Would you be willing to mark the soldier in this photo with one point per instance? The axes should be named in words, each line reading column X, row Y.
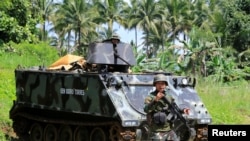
column 115, row 39
column 159, row 122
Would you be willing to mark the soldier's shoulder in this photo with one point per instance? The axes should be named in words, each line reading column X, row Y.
column 150, row 96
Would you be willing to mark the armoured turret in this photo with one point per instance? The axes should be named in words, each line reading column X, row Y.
column 111, row 57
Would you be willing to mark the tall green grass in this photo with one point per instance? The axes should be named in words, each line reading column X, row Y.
column 6, row 96
column 227, row 103
column 26, row 55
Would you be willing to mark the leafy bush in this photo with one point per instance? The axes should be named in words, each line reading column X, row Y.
column 11, row 31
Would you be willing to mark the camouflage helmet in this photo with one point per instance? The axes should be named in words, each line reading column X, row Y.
column 160, row 77
column 115, row 36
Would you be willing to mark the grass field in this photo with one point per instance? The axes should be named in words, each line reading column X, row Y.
column 227, row 103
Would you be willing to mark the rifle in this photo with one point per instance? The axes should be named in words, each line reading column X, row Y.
column 175, row 113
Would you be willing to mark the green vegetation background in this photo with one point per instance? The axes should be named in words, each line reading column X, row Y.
column 227, row 103
column 11, row 57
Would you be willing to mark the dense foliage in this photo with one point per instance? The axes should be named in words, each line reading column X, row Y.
column 16, row 24
column 211, row 31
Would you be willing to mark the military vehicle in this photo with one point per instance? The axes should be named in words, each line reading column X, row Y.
column 97, row 98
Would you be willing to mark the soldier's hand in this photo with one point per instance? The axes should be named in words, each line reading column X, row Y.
column 186, row 111
column 159, row 96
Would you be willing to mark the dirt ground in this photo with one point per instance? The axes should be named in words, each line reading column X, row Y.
column 9, row 133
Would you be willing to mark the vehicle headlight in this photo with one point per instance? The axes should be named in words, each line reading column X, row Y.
column 130, row 123
column 204, row 120
column 184, row 81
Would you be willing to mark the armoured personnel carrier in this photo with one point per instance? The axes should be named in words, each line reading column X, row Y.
column 97, row 99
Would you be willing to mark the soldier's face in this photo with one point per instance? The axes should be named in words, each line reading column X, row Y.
column 160, row 86
column 115, row 41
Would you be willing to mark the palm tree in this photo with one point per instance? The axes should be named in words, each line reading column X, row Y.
column 109, row 12
column 76, row 17
column 179, row 16
column 130, row 11
column 146, row 18
column 105, row 33
column 200, row 12
column 42, row 9
column 163, row 28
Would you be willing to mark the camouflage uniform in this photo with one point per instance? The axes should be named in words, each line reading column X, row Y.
column 160, row 131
